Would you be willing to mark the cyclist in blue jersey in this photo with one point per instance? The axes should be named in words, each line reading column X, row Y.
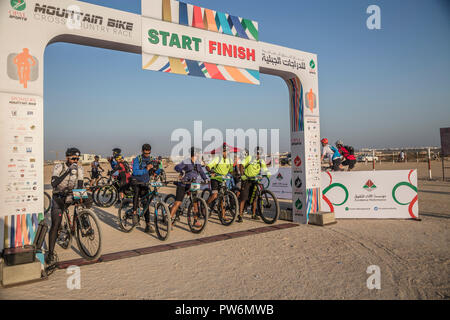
column 332, row 154
column 142, row 165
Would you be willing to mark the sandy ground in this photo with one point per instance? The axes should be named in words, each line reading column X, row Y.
column 306, row 262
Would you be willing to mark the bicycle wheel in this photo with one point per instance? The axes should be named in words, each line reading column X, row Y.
column 206, row 193
column 89, row 236
column 230, row 208
column 125, row 214
column 268, row 207
column 162, row 221
column 107, row 196
column 197, row 220
column 47, row 203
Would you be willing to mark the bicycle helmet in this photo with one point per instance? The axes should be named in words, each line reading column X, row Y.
column 324, row 141
column 116, row 151
column 339, row 143
column 73, row 152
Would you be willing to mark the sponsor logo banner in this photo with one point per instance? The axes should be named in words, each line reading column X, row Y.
column 371, row 194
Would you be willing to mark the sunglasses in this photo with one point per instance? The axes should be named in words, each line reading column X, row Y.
column 74, row 159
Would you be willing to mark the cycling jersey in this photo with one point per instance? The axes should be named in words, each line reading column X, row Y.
column 330, row 152
column 253, row 167
column 70, row 182
column 221, row 166
column 140, row 171
column 192, row 171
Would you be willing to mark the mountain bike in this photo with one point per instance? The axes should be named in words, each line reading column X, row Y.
column 226, row 205
column 153, row 199
column 81, row 224
column 267, row 206
column 193, row 206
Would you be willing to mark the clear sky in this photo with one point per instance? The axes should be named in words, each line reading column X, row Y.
column 378, row 88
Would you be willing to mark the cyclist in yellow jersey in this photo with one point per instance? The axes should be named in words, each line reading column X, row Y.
column 218, row 167
column 250, row 168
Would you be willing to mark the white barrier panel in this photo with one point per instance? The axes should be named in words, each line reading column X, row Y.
column 281, row 184
column 371, row 194
column 360, row 194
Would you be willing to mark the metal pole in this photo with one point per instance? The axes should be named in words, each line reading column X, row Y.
column 393, row 157
column 443, row 167
column 429, row 163
column 417, row 156
column 373, row 159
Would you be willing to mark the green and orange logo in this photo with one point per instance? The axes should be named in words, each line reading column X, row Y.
column 370, row 186
column 279, row 176
column 18, row 5
column 312, row 64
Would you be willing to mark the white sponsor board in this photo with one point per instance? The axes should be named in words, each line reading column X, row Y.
column 364, row 194
column 280, row 183
column 371, row 194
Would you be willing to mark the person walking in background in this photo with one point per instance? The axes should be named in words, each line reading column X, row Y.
column 348, row 153
column 95, row 171
column 332, row 153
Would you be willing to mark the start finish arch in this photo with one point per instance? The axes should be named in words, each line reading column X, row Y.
column 172, row 37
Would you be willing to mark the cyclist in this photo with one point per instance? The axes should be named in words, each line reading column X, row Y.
column 350, row 159
column 65, row 177
column 250, row 168
column 95, row 170
column 124, row 175
column 190, row 170
column 142, row 165
column 113, row 162
column 236, row 176
column 218, row 167
column 332, row 153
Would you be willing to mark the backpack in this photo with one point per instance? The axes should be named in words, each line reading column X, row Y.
column 350, row 150
column 127, row 166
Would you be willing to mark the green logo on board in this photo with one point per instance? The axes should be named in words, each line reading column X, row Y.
column 299, row 204
column 312, row 64
column 18, row 5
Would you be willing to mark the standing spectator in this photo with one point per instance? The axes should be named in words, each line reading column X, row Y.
column 348, row 154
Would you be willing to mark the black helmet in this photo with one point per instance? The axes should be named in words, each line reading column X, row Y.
column 116, row 151
column 73, row 152
column 146, row 147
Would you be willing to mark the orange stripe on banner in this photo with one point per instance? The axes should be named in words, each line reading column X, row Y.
column 210, row 20
column 25, row 230
column 167, row 11
column 176, row 66
column 18, row 239
column 214, row 72
column 237, row 75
